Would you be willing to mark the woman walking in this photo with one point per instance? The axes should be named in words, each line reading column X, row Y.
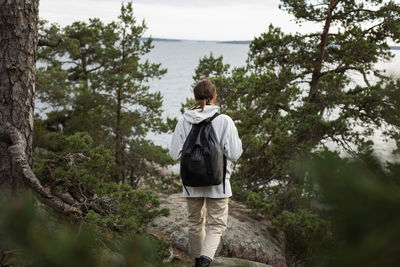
column 207, row 205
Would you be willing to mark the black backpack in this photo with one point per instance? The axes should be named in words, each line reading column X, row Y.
column 203, row 162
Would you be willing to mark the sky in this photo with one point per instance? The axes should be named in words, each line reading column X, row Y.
column 219, row 20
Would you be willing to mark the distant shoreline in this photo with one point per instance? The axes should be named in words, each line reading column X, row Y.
column 219, row 42
column 196, row 41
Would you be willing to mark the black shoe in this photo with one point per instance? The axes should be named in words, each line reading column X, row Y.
column 203, row 261
column 196, row 262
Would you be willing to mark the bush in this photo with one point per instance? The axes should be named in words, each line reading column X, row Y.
column 363, row 197
column 35, row 238
column 74, row 166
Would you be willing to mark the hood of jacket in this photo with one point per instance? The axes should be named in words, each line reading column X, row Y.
column 195, row 116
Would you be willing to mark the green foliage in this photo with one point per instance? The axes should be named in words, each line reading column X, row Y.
column 75, row 166
column 71, row 158
column 37, row 241
column 41, row 242
column 143, row 152
column 306, row 233
column 363, row 203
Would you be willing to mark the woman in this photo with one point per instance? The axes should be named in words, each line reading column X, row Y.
column 208, row 205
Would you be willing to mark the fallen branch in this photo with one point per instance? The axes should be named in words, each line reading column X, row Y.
column 60, row 202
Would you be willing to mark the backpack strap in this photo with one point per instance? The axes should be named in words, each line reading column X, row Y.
column 187, row 191
column 214, row 116
column 223, row 179
column 210, row 118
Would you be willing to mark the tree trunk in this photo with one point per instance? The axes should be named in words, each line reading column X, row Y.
column 18, row 43
column 119, row 149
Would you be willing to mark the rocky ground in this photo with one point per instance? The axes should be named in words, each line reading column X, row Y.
column 246, row 237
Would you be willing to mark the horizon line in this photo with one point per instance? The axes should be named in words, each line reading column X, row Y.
column 392, row 47
column 194, row 40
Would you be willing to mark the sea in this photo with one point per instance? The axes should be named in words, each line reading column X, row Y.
column 181, row 57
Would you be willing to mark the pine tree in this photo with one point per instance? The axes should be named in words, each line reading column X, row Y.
column 103, row 76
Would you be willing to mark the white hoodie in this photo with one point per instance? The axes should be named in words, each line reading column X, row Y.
column 227, row 136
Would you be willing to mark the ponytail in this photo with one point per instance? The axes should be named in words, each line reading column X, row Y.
column 204, row 92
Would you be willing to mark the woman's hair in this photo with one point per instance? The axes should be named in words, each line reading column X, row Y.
column 204, row 92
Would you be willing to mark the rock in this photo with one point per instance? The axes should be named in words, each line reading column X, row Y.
column 234, row 262
column 245, row 237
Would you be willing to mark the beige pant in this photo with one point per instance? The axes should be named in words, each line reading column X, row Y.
column 207, row 219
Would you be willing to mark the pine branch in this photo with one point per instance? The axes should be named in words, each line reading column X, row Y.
column 61, row 203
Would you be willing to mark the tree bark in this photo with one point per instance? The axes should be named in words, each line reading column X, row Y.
column 316, row 75
column 119, row 149
column 18, row 43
